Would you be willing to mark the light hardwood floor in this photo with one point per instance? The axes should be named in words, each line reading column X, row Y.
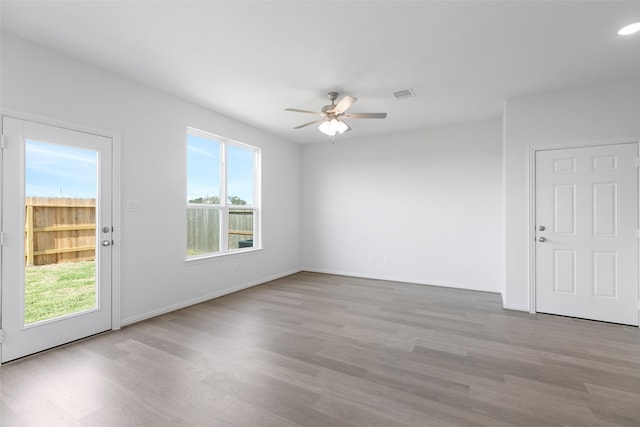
column 322, row 350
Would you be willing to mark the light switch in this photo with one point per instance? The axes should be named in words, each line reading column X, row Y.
column 133, row 205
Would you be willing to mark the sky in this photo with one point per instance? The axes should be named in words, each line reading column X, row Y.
column 59, row 171
column 203, row 169
column 62, row 171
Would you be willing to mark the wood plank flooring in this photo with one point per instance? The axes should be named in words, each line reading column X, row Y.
column 321, row 350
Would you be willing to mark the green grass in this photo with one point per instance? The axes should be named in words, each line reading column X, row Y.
column 59, row 289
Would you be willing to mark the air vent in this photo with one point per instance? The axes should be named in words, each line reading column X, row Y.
column 403, row 94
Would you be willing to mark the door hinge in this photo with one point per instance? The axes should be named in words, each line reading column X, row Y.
column 2, row 142
column 1, row 238
column 0, row 336
column 638, row 162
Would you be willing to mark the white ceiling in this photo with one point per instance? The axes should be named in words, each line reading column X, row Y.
column 250, row 60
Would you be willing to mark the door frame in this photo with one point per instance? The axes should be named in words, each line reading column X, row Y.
column 116, row 248
column 533, row 150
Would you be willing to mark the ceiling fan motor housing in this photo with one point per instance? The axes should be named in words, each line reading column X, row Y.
column 327, row 108
column 332, row 97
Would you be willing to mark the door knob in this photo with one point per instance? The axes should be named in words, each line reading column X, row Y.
column 541, row 239
column 542, row 228
column 106, row 243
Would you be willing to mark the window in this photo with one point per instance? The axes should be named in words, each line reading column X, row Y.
column 223, row 196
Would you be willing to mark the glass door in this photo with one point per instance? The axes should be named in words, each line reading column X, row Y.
column 56, row 264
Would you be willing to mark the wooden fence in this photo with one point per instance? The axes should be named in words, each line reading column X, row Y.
column 199, row 220
column 59, row 230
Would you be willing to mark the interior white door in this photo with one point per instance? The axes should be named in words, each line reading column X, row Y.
column 56, row 264
column 587, row 232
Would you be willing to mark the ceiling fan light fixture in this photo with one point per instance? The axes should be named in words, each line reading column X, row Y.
column 333, row 126
column 325, row 127
column 630, row 29
column 341, row 126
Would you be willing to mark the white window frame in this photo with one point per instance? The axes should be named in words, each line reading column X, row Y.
column 224, row 206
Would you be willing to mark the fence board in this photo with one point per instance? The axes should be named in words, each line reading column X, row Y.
column 203, row 229
column 59, row 230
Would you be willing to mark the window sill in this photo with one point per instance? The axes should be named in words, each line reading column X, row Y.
column 201, row 259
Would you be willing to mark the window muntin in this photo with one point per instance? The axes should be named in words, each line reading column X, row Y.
column 222, row 195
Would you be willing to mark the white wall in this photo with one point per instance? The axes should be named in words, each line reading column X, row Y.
column 430, row 201
column 590, row 115
column 152, row 124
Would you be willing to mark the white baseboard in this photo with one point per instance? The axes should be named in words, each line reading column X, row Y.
column 517, row 307
column 398, row 279
column 207, row 297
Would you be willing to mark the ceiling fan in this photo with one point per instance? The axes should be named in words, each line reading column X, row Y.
column 332, row 115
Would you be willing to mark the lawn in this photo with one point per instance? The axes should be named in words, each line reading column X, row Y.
column 59, row 289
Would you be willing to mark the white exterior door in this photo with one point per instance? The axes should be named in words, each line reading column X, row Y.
column 587, row 232
column 56, row 223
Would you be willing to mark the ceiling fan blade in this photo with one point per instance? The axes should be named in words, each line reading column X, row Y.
column 365, row 115
column 308, row 124
column 304, row 111
column 344, row 104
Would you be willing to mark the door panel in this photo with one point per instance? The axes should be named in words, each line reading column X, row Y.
column 586, row 238
column 56, row 274
column 605, row 202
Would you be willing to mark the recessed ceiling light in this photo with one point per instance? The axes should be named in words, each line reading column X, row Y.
column 630, row 29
